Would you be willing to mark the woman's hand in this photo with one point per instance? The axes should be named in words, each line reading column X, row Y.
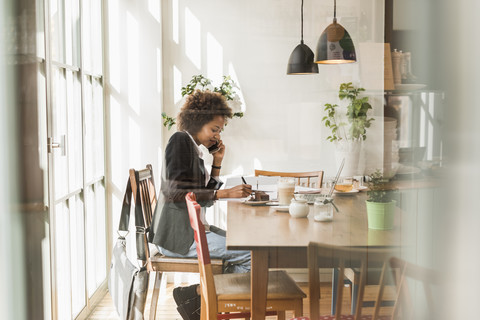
column 218, row 155
column 240, row 191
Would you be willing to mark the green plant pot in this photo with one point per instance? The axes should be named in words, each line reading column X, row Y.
column 380, row 215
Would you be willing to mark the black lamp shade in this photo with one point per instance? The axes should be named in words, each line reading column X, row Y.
column 301, row 61
column 335, row 46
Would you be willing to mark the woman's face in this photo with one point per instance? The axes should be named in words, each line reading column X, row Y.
column 210, row 132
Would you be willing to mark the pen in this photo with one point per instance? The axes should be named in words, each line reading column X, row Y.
column 243, row 179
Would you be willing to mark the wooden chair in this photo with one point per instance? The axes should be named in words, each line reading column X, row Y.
column 427, row 277
column 322, row 255
column 156, row 262
column 310, row 177
column 227, row 296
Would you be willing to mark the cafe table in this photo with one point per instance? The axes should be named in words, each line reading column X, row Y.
column 277, row 240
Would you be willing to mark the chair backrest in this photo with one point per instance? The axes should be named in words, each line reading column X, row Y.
column 322, row 255
column 143, row 181
column 207, row 283
column 427, row 277
column 311, row 177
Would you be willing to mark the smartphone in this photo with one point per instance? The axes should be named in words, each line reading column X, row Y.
column 213, row 148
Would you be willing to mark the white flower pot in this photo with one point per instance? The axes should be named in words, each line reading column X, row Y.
column 352, row 151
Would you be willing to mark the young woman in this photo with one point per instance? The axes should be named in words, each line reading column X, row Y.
column 200, row 122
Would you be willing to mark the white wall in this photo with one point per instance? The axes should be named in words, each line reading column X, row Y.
column 133, row 85
column 252, row 42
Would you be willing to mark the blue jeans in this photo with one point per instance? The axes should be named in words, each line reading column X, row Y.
column 235, row 261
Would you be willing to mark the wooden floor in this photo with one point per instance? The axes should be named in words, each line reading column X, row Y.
column 166, row 309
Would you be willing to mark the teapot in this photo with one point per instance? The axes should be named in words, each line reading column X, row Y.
column 298, row 208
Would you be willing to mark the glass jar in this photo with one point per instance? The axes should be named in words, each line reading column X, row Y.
column 323, row 210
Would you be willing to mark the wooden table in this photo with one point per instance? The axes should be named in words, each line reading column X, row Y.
column 277, row 240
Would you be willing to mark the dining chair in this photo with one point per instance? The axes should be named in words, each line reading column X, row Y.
column 322, row 255
column 227, row 296
column 313, row 178
column 428, row 278
column 157, row 262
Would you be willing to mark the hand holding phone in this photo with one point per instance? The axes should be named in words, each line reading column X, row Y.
column 214, row 148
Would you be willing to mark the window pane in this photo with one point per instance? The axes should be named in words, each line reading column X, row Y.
column 96, row 238
column 87, row 36
column 100, row 238
column 89, row 130
column 69, row 40
column 59, row 129
column 94, row 129
column 98, row 113
column 77, row 245
column 74, row 135
column 62, row 251
column 92, row 36
column 57, row 32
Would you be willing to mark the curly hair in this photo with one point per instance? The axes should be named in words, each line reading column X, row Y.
column 200, row 108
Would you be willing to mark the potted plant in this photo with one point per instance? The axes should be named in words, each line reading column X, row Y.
column 226, row 89
column 380, row 202
column 348, row 129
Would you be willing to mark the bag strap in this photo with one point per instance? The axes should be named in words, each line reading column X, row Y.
column 139, row 222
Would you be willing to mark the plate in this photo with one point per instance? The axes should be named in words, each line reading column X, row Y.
column 255, row 203
column 361, row 188
column 409, row 86
column 347, row 193
column 282, row 208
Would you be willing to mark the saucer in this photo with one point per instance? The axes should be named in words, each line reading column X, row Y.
column 282, row 208
column 346, row 193
column 255, row 203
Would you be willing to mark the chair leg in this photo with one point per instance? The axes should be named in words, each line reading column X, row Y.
column 203, row 310
column 354, row 298
column 334, row 289
column 299, row 309
column 155, row 294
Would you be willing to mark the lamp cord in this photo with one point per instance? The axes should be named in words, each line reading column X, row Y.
column 302, row 23
column 335, row 10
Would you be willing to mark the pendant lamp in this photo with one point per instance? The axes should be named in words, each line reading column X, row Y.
column 335, row 45
column 301, row 59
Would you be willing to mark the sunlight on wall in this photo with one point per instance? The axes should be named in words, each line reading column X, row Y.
column 154, row 9
column 238, row 171
column 233, row 75
column 257, row 164
column 193, row 38
column 134, row 141
column 214, row 59
column 159, row 70
column 117, row 135
column 114, row 45
column 175, row 22
column 133, row 60
column 177, row 85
